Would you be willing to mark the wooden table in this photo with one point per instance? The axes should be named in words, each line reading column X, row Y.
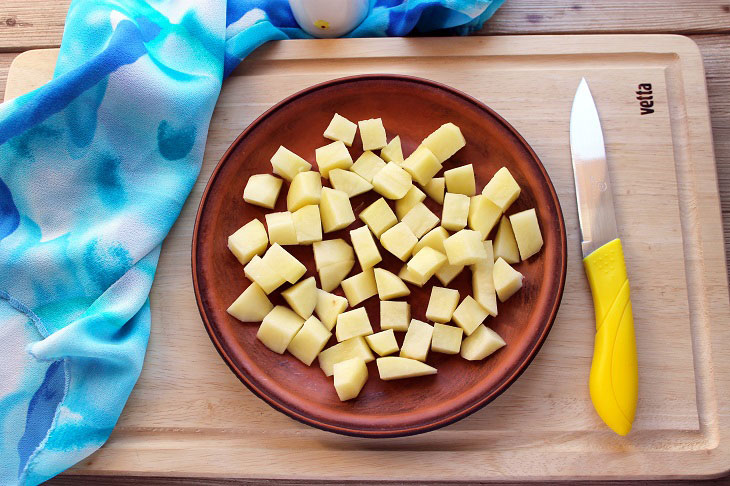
column 32, row 24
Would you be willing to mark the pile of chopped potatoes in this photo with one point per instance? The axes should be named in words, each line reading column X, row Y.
column 399, row 223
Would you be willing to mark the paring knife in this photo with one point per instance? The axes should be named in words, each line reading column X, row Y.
column 614, row 380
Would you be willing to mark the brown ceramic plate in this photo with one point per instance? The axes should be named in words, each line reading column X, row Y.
column 412, row 108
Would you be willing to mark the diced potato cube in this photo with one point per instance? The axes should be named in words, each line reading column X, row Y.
column 422, row 165
column 417, row 341
column 446, row 339
column 252, row 305
column 372, row 134
column 352, row 324
column 426, row 262
column 502, row 189
column 349, row 182
column 350, row 376
column 266, row 277
column 379, row 217
column 249, row 240
column 281, row 228
column 390, row 286
column 278, row 328
column 445, row 141
column 420, row 219
column 483, row 215
column 399, row 240
column 442, row 304
column 505, row 244
column 409, row 276
column 406, row 203
column 330, row 276
column 434, row 238
column 342, row 129
column 507, row 280
column 335, row 210
column 482, row 282
column 383, row 342
column 287, row 164
column 527, row 232
column 284, row 262
column 302, row 297
column 360, row 287
column 460, row 180
column 464, row 247
column 395, row 315
column 332, row 156
column 435, row 188
column 395, row 368
column 365, row 248
column 307, row 224
column 262, row 190
column 328, row 252
column 352, row 348
column 469, row 315
column 305, row 189
column 328, row 307
column 393, row 151
column 309, row 341
column 482, row 342
column 456, row 211
column 367, row 165
column 392, row 181
column 448, row 272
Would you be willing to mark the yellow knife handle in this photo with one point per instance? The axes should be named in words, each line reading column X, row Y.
column 614, row 379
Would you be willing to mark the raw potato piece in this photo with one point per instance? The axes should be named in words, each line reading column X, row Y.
column 406, row 203
column 352, row 348
column 434, row 238
column 442, row 304
column 330, row 276
column 399, row 240
column 456, row 211
column 383, row 342
column 417, row 341
column 307, row 224
column 446, row 339
column 349, row 182
column 360, row 287
column 502, row 189
column 465, row 248
column 350, row 377
column 342, row 129
column 283, row 262
column 483, row 215
column 482, row 282
column 393, row 152
column 309, row 341
column 249, row 240
column 266, row 277
column 367, row 165
column 328, row 252
column 422, row 165
column 394, row 368
column 252, row 305
column 447, row 273
column 435, row 189
column 379, row 217
column 287, row 164
column 505, row 244
column 420, row 219
column 482, row 342
column 394, row 315
column 332, row 156
column 281, row 228
column 507, row 280
column 445, row 141
column 390, row 286
column 335, row 210
column 352, row 324
column 469, row 315
column 426, row 263
column 302, row 297
column 372, row 134
column 278, row 328
column 461, row 180
column 328, row 307
column 367, row 252
column 409, row 276
column 392, row 181
column 527, row 232
column 262, row 190
column 305, row 189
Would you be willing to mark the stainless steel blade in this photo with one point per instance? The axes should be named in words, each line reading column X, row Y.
column 592, row 183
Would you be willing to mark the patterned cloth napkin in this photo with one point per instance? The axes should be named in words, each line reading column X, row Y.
column 94, row 168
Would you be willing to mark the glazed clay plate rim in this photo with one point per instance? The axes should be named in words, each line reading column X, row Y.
column 468, row 408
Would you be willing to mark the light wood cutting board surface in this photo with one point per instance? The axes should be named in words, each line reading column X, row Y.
column 189, row 415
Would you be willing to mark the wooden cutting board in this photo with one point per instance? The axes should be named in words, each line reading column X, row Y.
column 189, row 415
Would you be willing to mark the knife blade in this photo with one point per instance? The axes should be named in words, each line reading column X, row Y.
column 613, row 381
